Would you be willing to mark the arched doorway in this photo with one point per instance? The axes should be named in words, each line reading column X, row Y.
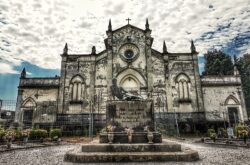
column 28, row 108
column 233, row 110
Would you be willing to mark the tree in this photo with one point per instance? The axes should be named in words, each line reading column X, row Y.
column 218, row 63
column 243, row 65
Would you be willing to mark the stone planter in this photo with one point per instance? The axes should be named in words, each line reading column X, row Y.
column 25, row 140
column 110, row 137
column 150, row 137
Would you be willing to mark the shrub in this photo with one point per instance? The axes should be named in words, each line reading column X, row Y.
column 2, row 133
column 241, row 130
column 38, row 133
column 25, row 132
column 10, row 134
column 210, row 132
column 55, row 132
column 223, row 132
column 18, row 132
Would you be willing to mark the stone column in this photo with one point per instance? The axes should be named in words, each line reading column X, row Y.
column 198, row 90
column 148, row 55
column 109, row 48
column 62, row 85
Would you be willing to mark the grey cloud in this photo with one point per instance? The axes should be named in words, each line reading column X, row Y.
column 23, row 20
column 4, row 7
column 30, row 37
column 85, row 24
column 44, row 27
column 49, row 30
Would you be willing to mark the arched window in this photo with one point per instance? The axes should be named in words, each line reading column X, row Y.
column 183, row 86
column 76, row 88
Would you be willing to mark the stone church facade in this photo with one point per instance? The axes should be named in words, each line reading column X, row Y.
column 171, row 80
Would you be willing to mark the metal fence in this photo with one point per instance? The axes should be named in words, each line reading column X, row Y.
column 7, row 112
column 8, row 105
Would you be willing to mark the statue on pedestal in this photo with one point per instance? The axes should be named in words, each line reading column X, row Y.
column 122, row 94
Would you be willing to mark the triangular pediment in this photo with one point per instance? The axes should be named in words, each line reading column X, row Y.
column 129, row 28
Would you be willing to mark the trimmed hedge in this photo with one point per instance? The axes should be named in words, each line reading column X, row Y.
column 38, row 133
column 55, row 132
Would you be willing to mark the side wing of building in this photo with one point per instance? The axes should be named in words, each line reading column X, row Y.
column 37, row 101
column 223, row 99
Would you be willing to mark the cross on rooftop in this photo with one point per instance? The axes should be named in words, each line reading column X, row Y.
column 128, row 19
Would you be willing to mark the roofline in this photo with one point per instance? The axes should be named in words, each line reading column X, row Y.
column 219, row 76
column 39, row 86
column 157, row 51
column 179, row 54
column 101, row 52
column 41, row 78
column 130, row 26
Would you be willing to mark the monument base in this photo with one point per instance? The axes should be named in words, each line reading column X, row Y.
column 96, row 153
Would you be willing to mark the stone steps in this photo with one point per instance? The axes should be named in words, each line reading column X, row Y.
column 140, row 147
column 97, row 157
column 96, row 153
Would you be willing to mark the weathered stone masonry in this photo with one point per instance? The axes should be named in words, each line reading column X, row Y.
column 172, row 80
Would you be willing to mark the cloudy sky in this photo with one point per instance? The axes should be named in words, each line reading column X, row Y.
column 33, row 32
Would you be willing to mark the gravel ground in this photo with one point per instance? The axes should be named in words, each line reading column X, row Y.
column 54, row 155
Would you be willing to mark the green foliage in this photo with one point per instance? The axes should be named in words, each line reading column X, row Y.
column 55, row 132
column 38, row 133
column 25, row 132
column 241, row 130
column 10, row 133
column 211, row 132
column 2, row 133
column 218, row 63
column 243, row 65
column 18, row 132
column 223, row 132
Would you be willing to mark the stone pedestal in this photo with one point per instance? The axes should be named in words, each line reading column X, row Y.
column 130, row 137
column 130, row 114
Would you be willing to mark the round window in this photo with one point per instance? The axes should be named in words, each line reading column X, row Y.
column 129, row 54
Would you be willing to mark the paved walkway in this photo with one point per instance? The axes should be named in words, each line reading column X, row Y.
column 54, row 155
